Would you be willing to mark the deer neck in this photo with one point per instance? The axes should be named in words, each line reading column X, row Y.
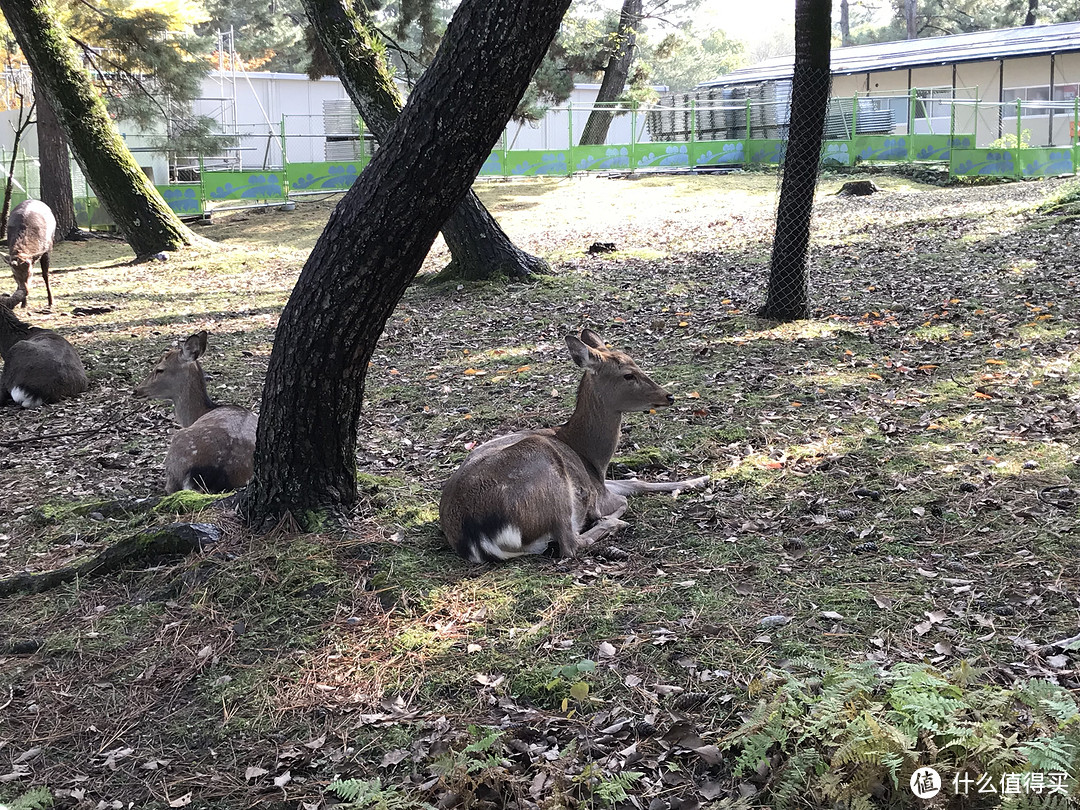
column 193, row 402
column 593, row 430
column 12, row 330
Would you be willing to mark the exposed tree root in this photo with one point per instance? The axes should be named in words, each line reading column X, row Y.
column 176, row 538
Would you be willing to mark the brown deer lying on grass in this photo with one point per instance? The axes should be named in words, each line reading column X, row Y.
column 516, row 494
column 31, row 228
column 39, row 366
column 214, row 451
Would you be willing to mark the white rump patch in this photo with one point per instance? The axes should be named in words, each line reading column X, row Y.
column 506, row 544
column 25, row 399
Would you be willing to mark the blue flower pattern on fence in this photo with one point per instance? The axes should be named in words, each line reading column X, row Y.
column 614, row 158
column 550, row 163
column 994, row 163
column 259, row 187
column 1058, row 161
column 338, row 175
column 942, row 151
column 836, row 153
column 890, row 149
column 729, row 153
column 493, row 165
column 673, row 156
column 769, row 154
column 182, row 200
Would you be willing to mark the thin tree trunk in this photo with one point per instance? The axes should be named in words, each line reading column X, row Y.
column 373, row 245
column 910, row 16
column 615, row 74
column 845, row 24
column 1032, row 12
column 479, row 248
column 55, row 167
column 788, row 296
column 146, row 222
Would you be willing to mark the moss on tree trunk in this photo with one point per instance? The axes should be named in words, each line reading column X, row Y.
column 148, row 224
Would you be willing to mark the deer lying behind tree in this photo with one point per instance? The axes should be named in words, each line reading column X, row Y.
column 516, row 494
column 39, row 366
column 214, row 450
column 31, row 228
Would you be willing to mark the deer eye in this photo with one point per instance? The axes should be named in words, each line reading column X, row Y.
column 629, row 376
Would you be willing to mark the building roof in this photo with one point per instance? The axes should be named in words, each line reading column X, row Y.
column 1033, row 40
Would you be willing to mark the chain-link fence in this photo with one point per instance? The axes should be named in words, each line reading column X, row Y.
column 787, row 296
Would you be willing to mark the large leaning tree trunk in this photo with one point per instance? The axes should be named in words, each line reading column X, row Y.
column 616, row 72
column 146, row 222
column 479, row 248
column 788, row 297
column 55, row 167
column 373, row 245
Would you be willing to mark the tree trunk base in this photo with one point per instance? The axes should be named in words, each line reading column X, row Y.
column 174, row 539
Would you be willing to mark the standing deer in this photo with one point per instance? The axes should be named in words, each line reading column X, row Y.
column 516, row 494
column 214, row 451
column 30, row 231
column 39, row 366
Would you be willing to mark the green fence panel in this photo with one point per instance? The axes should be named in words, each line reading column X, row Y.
column 939, row 147
column 875, row 148
column 718, row 153
column 982, row 162
column 1048, row 162
column 90, row 213
column 325, row 176
column 183, row 198
column 660, row 155
column 493, row 166
column 265, row 185
column 534, row 162
column 600, row 158
column 836, row 153
column 766, row 151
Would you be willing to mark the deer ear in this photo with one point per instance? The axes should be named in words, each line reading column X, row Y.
column 583, row 356
column 194, row 346
column 590, row 338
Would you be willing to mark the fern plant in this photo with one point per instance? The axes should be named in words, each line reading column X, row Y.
column 369, row 794
column 854, row 735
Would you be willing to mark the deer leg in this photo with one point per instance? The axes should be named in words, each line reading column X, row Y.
column 635, row 487
column 608, row 524
column 44, row 262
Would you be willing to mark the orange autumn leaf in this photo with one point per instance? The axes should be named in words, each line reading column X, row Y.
column 693, row 395
column 981, row 395
column 994, row 362
column 873, row 376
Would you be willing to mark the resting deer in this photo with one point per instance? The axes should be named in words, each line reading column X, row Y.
column 214, row 450
column 30, row 232
column 516, row 494
column 39, row 366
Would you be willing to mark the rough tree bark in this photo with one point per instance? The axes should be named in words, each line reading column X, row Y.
column 55, row 168
column 910, row 17
column 788, row 298
column 479, row 248
column 373, row 245
column 845, row 24
column 146, row 222
column 615, row 73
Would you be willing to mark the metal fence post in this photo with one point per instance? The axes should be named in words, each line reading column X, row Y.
column 1019, row 134
column 854, row 115
column 911, row 121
